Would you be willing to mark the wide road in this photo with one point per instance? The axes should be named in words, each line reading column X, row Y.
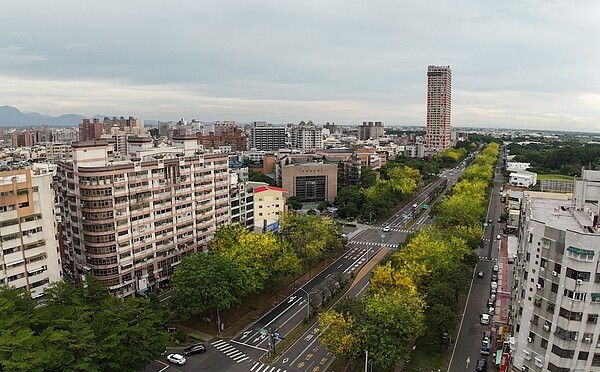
column 468, row 343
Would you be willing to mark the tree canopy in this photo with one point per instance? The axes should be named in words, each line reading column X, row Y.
column 78, row 328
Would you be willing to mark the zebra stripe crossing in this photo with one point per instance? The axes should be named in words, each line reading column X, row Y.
column 258, row 367
column 233, row 353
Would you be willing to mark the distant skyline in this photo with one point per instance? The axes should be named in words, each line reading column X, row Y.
column 515, row 64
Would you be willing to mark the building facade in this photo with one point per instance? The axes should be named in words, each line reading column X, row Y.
column 130, row 222
column 267, row 137
column 439, row 100
column 310, row 182
column 556, row 301
column 269, row 204
column 29, row 256
column 370, row 130
column 306, row 136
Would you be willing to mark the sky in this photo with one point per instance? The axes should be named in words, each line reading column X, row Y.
column 515, row 64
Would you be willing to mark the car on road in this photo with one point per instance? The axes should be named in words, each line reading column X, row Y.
column 176, row 359
column 495, row 269
column 484, row 319
column 194, row 349
column 386, row 229
column 494, row 277
column 481, row 365
column 490, row 303
column 480, row 274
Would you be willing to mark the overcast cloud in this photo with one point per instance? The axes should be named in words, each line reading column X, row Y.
column 515, row 64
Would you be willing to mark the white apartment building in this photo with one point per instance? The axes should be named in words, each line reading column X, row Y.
column 241, row 197
column 306, row 136
column 556, row 296
column 29, row 256
column 130, row 222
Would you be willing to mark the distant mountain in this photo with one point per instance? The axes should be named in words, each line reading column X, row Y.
column 12, row 117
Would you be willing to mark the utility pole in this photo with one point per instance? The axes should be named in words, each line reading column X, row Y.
column 366, row 359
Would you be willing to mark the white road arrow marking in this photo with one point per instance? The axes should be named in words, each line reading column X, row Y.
column 245, row 334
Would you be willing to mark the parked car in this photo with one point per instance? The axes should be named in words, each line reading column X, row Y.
column 194, row 349
column 176, row 359
column 494, row 285
column 485, row 347
column 496, row 268
column 498, row 237
column 487, row 335
column 484, row 319
column 491, row 310
column 481, row 365
column 490, row 303
column 494, row 277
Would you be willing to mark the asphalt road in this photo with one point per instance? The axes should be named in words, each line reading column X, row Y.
column 468, row 343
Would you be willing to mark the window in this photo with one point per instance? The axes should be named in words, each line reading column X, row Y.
column 592, row 318
column 596, row 360
column 554, row 288
column 576, row 296
column 557, row 268
column 550, row 307
column 583, row 355
column 544, row 343
column 571, row 315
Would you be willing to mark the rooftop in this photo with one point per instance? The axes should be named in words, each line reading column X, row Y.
column 555, row 211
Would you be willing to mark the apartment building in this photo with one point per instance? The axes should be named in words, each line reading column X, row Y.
column 29, row 256
column 267, row 137
column 241, row 197
column 370, row 130
column 306, row 136
column 269, row 204
column 130, row 222
column 439, row 105
column 556, row 296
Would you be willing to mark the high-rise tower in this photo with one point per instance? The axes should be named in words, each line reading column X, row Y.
column 439, row 92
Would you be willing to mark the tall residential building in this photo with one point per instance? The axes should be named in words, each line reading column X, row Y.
column 90, row 130
column 267, row 137
column 130, row 222
column 439, row 94
column 370, row 130
column 306, row 136
column 556, row 296
column 29, row 256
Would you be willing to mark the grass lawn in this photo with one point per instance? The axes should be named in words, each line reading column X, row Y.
column 554, row 177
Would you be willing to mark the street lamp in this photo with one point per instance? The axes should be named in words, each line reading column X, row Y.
column 307, row 301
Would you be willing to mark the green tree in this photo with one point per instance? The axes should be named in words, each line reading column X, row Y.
column 367, row 177
column 79, row 328
column 294, row 203
column 206, row 280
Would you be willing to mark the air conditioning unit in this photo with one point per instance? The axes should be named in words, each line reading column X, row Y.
column 542, row 268
column 587, row 340
column 539, row 362
column 554, row 273
column 529, row 340
column 546, row 327
column 579, row 282
column 527, row 354
column 538, row 286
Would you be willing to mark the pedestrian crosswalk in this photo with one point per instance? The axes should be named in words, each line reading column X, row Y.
column 259, row 367
column 396, row 229
column 375, row 243
column 230, row 351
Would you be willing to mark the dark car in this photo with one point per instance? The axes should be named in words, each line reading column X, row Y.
column 194, row 349
column 490, row 303
column 481, row 365
column 494, row 277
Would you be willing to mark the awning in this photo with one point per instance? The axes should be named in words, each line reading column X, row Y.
column 498, row 357
column 583, row 252
column 595, row 297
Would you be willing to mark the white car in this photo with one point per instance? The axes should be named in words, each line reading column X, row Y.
column 386, row 229
column 176, row 359
column 484, row 319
